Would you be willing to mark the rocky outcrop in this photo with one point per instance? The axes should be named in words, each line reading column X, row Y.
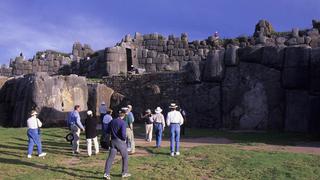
column 98, row 93
column 51, row 96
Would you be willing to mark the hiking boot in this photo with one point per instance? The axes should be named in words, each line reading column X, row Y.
column 42, row 154
column 177, row 153
column 107, row 176
column 29, row 156
column 126, row 175
column 172, row 154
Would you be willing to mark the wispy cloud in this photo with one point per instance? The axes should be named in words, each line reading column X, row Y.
column 19, row 35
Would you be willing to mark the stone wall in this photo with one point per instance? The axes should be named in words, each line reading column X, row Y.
column 258, row 87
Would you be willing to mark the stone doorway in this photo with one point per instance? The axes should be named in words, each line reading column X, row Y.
column 129, row 59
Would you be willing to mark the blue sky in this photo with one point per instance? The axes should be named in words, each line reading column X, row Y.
column 31, row 25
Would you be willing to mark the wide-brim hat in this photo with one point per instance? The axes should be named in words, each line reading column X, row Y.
column 148, row 111
column 129, row 106
column 33, row 112
column 158, row 110
column 103, row 103
column 173, row 105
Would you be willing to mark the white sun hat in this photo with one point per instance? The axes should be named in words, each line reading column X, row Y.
column 158, row 110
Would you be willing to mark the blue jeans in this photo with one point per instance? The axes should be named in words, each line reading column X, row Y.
column 34, row 138
column 104, row 128
column 175, row 137
column 158, row 130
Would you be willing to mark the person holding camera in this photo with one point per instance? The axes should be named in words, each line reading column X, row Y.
column 147, row 118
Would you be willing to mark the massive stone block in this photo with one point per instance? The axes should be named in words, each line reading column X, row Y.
column 52, row 97
column 213, row 70
column 297, row 111
column 193, row 74
column 2, row 80
column 252, row 97
column 314, row 120
column 296, row 65
column 250, row 54
column 273, row 57
column 98, row 93
column 315, row 71
column 231, row 58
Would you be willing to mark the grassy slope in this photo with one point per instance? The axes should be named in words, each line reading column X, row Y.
column 209, row 162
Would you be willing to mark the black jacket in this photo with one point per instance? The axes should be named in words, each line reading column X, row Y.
column 91, row 128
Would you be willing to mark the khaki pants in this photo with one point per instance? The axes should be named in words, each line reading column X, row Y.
column 149, row 128
column 76, row 138
column 130, row 140
column 89, row 146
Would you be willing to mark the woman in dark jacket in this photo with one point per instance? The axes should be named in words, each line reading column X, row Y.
column 91, row 133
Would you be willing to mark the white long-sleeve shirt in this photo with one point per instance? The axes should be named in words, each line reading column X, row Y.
column 33, row 122
column 159, row 118
column 174, row 117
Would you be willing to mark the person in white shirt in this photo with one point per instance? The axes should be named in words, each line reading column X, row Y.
column 33, row 133
column 174, row 121
column 159, row 124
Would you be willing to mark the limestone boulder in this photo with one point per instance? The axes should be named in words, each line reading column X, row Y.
column 98, row 93
column 315, row 71
column 296, row 66
column 297, row 111
column 231, row 58
column 252, row 97
column 193, row 73
column 251, row 54
column 214, row 66
column 52, row 96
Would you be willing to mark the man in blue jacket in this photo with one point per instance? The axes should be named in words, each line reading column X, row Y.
column 74, row 123
column 117, row 129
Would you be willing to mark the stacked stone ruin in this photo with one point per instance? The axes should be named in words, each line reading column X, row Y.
column 270, row 81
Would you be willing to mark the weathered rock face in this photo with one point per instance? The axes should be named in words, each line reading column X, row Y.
column 52, row 97
column 296, row 67
column 201, row 101
column 2, row 80
column 252, row 97
column 98, row 93
column 213, row 70
column 315, row 71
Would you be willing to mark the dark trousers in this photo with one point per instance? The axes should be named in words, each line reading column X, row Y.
column 117, row 145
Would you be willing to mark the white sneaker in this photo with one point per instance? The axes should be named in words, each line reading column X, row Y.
column 107, row 176
column 177, row 153
column 126, row 175
column 42, row 154
column 29, row 156
column 172, row 154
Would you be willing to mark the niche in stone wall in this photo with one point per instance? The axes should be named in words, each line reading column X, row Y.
column 129, row 59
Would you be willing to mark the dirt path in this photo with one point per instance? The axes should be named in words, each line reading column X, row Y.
column 305, row 148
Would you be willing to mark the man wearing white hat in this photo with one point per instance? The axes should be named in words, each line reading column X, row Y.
column 34, row 124
column 159, row 125
column 174, row 120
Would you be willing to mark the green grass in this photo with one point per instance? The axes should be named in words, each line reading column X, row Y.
column 206, row 162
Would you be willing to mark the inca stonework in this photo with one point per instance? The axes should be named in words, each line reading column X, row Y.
column 270, row 81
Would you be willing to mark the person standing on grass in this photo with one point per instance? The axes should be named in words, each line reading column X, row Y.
column 91, row 133
column 183, row 127
column 129, row 123
column 102, row 111
column 148, row 120
column 159, row 124
column 33, row 133
column 105, row 139
column 75, row 126
column 117, row 130
column 174, row 120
